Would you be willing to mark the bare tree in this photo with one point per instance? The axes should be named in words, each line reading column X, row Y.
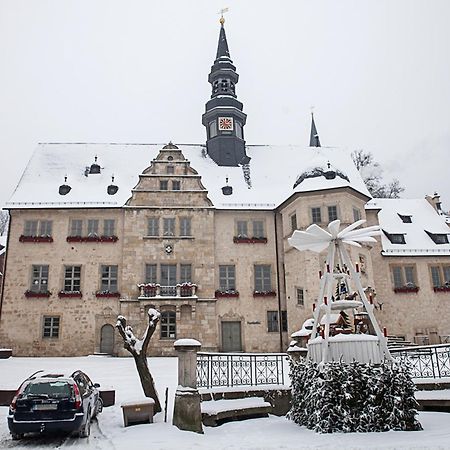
column 372, row 175
column 138, row 348
column 4, row 220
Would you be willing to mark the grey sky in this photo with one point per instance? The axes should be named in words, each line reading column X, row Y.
column 378, row 74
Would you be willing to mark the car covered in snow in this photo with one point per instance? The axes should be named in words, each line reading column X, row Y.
column 54, row 402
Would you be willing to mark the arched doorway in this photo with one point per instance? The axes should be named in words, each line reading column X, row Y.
column 107, row 339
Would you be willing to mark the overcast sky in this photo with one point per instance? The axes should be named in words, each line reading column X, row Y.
column 377, row 73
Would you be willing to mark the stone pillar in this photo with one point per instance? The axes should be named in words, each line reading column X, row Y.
column 187, row 413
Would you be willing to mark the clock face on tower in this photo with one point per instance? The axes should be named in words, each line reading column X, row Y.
column 225, row 123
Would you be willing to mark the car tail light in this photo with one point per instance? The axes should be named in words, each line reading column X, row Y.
column 18, row 393
column 77, row 396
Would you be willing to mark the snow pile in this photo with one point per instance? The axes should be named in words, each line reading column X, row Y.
column 339, row 397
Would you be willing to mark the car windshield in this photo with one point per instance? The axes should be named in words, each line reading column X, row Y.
column 48, row 389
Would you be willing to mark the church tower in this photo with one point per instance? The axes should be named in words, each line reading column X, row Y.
column 223, row 118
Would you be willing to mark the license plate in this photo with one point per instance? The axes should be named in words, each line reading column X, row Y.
column 45, row 407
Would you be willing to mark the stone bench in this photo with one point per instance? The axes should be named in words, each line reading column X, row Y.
column 216, row 412
column 138, row 411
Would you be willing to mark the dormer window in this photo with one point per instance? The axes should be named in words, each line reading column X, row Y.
column 95, row 168
column 438, row 238
column 395, row 238
column 405, row 219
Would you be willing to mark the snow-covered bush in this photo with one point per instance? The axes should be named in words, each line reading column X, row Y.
column 352, row 397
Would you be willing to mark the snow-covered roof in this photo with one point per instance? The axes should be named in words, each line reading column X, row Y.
column 424, row 218
column 274, row 170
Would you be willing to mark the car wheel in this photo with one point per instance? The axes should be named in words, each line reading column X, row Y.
column 86, row 430
column 98, row 407
column 16, row 436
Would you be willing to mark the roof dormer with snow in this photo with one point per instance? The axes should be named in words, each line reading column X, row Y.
column 411, row 227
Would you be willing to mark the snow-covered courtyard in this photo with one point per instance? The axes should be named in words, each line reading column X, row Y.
column 266, row 433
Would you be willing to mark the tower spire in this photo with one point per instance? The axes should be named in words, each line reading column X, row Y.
column 314, row 138
column 223, row 118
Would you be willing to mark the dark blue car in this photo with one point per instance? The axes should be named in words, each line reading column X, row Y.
column 54, row 402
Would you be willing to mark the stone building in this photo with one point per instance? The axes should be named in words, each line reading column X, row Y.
column 197, row 231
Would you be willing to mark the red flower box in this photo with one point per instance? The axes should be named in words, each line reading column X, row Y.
column 246, row 240
column 107, row 294
column 405, row 290
column 264, row 294
column 441, row 289
column 31, row 294
column 226, row 294
column 70, row 294
column 92, row 239
column 24, row 238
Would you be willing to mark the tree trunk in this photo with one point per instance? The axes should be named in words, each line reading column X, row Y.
column 147, row 382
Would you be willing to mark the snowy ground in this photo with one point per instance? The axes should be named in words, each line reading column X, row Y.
column 268, row 433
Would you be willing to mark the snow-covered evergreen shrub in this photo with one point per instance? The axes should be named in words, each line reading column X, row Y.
column 352, row 397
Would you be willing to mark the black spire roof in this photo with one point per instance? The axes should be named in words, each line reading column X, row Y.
column 314, row 138
column 223, row 118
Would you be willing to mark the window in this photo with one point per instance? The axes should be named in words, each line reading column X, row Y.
column 227, row 278
column 39, row 279
column 300, row 297
column 262, row 278
column 150, row 273
column 438, row 238
column 398, row 238
column 76, row 227
column 38, row 228
column 185, row 226
column 332, row 213
column 170, row 170
column 242, row 230
column 50, row 327
column 440, row 276
column 356, row 214
column 153, row 226
column 405, row 219
column 31, row 227
column 316, row 215
column 168, row 325
column 109, row 278
column 404, row 276
column 92, row 227
column 238, row 127
column 108, row 227
column 168, row 275
column 185, row 273
column 45, row 228
column 258, row 229
column 272, row 322
column 176, row 185
column 163, row 185
column 169, row 226
column 294, row 222
column 212, row 129
column 72, row 278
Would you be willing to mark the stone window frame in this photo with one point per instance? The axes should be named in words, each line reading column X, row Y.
column 241, row 228
column 185, row 224
column 109, row 276
column 163, row 185
column 39, row 277
column 442, row 272
column 168, row 324
column 273, row 323
column 176, row 185
column 153, row 226
column 356, row 214
column 333, row 213
column 169, row 226
column 403, row 274
column 92, row 227
column 51, row 327
column 72, row 280
column 262, row 277
column 227, row 277
column 109, row 227
column 259, row 228
column 300, row 296
column 316, row 214
column 293, row 221
column 38, row 228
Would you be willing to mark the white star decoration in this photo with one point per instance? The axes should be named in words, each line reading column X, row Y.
column 316, row 239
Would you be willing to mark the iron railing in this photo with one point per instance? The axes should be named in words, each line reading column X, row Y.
column 427, row 361
column 240, row 369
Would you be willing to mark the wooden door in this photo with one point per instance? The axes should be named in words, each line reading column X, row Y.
column 231, row 337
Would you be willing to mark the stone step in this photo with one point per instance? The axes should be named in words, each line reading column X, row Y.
column 217, row 412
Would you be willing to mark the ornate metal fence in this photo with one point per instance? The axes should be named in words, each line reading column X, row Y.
column 240, row 369
column 427, row 361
